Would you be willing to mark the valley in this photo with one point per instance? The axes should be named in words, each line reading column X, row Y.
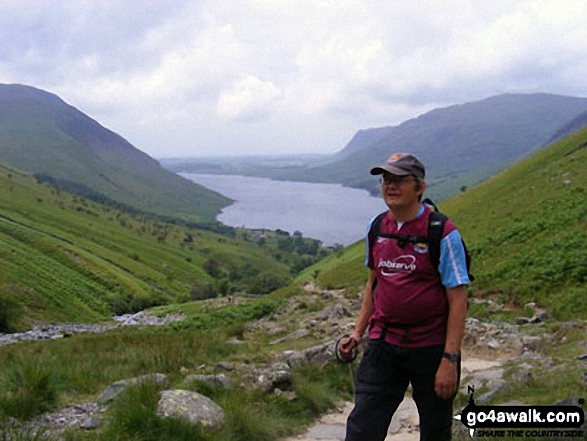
column 247, row 319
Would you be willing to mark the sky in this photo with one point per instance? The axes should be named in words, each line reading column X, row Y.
column 242, row 77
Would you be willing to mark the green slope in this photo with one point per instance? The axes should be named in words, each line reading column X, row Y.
column 526, row 229
column 41, row 134
column 65, row 258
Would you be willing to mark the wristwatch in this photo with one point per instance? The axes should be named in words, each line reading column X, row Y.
column 452, row 356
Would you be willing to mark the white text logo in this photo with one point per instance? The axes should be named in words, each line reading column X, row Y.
column 401, row 264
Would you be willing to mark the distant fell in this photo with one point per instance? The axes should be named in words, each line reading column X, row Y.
column 42, row 135
column 461, row 145
column 462, row 139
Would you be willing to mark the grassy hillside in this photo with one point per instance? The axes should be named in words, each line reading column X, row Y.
column 41, row 134
column 526, row 229
column 65, row 258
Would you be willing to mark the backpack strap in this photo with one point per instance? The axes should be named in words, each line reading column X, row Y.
column 429, row 202
column 372, row 236
column 436, row 224
column 435, row 230
column 375, row 228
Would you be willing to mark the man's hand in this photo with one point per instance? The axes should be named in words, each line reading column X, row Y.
column 346, row 346
column 446, row 382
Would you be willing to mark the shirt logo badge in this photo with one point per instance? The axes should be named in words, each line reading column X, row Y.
column 421, row 247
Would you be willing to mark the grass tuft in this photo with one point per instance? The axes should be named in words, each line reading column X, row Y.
column 30, row 389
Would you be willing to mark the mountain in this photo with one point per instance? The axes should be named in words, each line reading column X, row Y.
column 462, row 139
column 525, row 229
column 41, row 134
column 461, row 145
column 576, row 124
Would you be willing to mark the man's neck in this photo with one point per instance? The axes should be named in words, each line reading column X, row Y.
column 405, row 214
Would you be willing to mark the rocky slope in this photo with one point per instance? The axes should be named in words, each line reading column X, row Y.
column 496, row 357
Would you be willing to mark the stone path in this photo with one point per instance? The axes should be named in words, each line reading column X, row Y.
column 404, row 425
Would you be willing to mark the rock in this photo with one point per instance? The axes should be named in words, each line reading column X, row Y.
column 82, row 415
column 296, row 335
column 91, row 423
column 320, row 354
column 497, row 387
column 289, row 395
column 491, row 379
column 541, row 317
column 54, row 332
column 530, row 343
column 143, row 318
column 334, row 312
column 522, row 376
column 275, row 376
column 278, row 376
column 213, row 381
column 115, row 389
column 234, row 341
column 224, row 366
column 276, row 330
column 493, row 344
column 195, row 408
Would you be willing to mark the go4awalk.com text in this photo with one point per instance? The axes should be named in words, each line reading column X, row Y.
column 548, row 422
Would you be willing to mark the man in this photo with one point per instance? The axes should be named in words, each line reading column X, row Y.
column 415, row 313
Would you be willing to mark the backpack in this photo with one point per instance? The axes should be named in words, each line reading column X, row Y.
column 435, row 230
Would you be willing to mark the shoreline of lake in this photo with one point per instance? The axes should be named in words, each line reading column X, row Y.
column 331, row 213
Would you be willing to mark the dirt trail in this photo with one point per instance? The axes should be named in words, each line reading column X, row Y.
column 486, row 347
column 404, row 425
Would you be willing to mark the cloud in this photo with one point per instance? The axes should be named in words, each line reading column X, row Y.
column 248, row 99
column 178, row 77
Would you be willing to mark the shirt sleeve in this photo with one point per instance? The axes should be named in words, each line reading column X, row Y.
column 453, row 264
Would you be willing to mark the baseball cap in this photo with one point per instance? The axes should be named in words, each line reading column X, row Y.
column 401, row 164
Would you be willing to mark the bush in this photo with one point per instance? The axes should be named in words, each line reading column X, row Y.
column 203, row 291
column 31, row 389
column 10, row 314
column 265, row 283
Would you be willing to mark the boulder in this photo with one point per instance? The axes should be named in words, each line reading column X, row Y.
column 318, row 355
column 293, row 336
column 334, row 312
column 213, row 381
column 195, row 408
column 271, row 378
column 115, row 389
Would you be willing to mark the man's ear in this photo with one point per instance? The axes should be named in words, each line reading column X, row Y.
column 422, row 187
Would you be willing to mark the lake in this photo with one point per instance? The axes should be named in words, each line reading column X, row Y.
column 328, row 212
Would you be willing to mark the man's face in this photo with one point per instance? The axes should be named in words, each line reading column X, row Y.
column 400, row 191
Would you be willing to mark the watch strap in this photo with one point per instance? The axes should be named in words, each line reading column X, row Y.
column 452, row 356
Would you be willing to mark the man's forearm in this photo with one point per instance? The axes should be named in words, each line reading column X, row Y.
column 367, row 308
column 457, row 314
